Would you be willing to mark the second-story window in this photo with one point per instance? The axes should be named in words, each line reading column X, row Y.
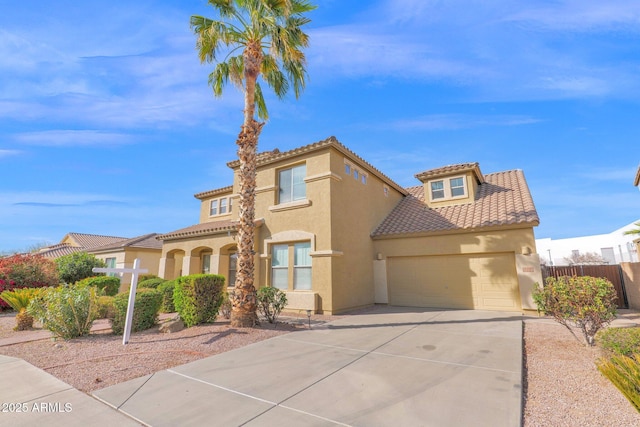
column 457, row 187
column 437, row 190
column 220, row 206
column 292, row 185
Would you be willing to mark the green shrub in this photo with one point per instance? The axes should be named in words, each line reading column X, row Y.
column 271, row 301
column 110, row 285
column 151, row 283
column 26, row 271
column 145, row 310
column 166, row 289
column 624, row 373
column 620, row 341
column 146, row 276
column 77, row 266
column 587, row 303
column 106, row 307
column 197, row 298
column 68, row 311
column 225, row 307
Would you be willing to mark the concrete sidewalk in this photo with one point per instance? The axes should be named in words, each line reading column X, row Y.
column 386, row 367
column 31, row 397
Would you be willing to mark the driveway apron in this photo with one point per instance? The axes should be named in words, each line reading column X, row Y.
column 387, row 366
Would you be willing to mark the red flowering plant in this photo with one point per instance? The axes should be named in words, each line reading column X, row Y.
column 26, row 271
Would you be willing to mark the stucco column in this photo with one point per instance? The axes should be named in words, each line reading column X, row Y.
column 166, row 268
column 190, row 265
column 529, row 273
column 381, row 295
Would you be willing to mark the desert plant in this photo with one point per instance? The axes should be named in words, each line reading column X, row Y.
column 587, row 303
column 145, row 310
column 225, row 307
column 197, row 298
column 19, row 300
column 77, row 266
column 106, row 307
column 624, row 373
column 151, row 283
column 166, row 288
column 26, row 271
column 68, row 311
column 271, row 301
column 109, row 284
column 620, row 341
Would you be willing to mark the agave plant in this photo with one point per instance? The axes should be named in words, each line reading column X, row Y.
column 19, row 299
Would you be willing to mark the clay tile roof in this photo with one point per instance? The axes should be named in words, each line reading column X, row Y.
column 59, row 250
column 450, row 169
column 94, row 240
column 275, row 155
column 215, row 192
column 146, row 241
column 200, row 229
column 502, row 200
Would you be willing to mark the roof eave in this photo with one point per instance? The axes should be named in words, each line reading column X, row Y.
column 388, row 236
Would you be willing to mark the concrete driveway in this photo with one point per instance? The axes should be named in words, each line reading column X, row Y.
column 388, row 366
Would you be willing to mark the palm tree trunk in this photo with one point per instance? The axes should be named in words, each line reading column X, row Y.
column 243, row 297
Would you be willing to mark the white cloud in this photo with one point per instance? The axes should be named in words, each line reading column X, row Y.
column 67, row 138
column 9, row 153
column 456, row 121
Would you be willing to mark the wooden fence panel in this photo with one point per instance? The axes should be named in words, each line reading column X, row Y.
column 613, row 273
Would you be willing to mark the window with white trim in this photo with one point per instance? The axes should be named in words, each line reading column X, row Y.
column 457, row 187
column 206, row 264
column 221, row 206
column 111, row 263
column 291, row 184
column 450, row 188
column 437, row 190
column 233, row 265
column 291, row 266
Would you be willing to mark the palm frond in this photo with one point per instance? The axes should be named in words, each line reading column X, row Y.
column 263, row 113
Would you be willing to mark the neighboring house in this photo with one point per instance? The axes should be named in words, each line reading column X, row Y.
column 114, row 251
column 614, row 247
column 335, row 234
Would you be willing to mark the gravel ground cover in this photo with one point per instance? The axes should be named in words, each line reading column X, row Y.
column 562, row 386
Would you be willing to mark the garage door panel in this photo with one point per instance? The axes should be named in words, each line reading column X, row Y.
column 486, row 281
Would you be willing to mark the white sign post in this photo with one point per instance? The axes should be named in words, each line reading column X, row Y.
column 136, row 270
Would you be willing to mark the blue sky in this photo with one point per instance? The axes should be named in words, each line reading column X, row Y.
column 107, row 124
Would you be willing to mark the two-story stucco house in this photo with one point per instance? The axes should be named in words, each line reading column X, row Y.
column 336, row 234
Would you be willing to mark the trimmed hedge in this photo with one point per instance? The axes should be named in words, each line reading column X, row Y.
column 151, row 283
column 166, row 289
column 145, row 310
column 198, row 297
column 110, row 284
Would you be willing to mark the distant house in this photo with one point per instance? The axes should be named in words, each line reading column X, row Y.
column 114, row 251
column 335, row 233
column 614, row 247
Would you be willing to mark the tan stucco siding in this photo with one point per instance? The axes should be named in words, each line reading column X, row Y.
column 357, row 209
column 508, row 240
column 205, row 209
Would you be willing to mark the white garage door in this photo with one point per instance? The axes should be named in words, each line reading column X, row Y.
column 487, row 281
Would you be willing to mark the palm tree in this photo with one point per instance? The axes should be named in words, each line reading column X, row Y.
column 259, row 38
